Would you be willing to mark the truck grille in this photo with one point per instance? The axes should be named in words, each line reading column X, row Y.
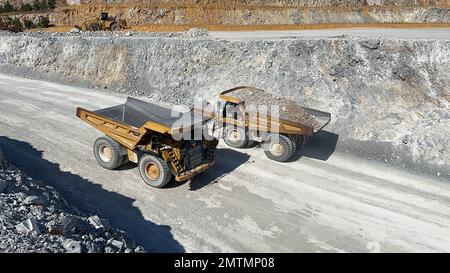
column 193, row 156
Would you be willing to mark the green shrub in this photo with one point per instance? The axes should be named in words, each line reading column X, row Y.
column 28, row 23
column 44, row 5
column 7, row 7
column 36, row 5
column 26, row 7
column 51, row 4
column 43, row 22
column 16, row 22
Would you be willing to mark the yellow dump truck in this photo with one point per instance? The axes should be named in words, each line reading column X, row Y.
column 245, row 114
column 105, row 22
column 164, row 143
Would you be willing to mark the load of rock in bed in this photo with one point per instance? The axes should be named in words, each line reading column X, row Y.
column 278, row 106
column 34, row 218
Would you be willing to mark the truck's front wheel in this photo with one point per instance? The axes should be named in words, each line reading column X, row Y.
column 154, row 171
column 94, row 27
column 107, row 153
column 279, row 147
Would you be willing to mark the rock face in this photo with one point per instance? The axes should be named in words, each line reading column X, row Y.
column 34, row 218
column 138, row 15
column 389, row 99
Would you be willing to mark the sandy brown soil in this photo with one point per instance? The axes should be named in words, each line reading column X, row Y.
column 248, row 15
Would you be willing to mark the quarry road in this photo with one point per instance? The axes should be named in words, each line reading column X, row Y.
column 244, row 203
column 385, row 33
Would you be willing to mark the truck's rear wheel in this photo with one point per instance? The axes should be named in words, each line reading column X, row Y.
column 299, row 140
column 154, row 171
column 279, row 147
column 107, row 153
column 235, row 137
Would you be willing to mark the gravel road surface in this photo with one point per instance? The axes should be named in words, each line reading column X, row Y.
column 323, row 201
column 385, row 33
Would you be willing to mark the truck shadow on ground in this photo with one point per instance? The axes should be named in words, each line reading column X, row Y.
column 91, row 198
column 320, row 146
column 227, row 160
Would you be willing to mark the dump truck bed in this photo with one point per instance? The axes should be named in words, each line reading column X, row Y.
column 136, row 113
column 128, row 123
column 153, row 133
column 322, row 118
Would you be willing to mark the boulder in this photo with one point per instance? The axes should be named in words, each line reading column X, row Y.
column 99, row 223
column 72, row 246
column 72, row 224
column 117, row 244
column 75, row 30
column 28, row 226
column 32, row 200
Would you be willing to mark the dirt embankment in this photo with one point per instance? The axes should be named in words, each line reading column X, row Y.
column 202, row 16
column 389, row 99
column 223, row 15
column 284, row 3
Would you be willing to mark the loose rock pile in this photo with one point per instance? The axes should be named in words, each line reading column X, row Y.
column 197, row 32
column 287, row 109
column 35, row 218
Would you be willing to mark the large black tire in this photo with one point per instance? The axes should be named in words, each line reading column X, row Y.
column 235, row 137
column 114, row 27
column 154, row 171
column 107, row 153
column 305, row 140
column 279, row 147
column 301, row 141
column 250, row 143
column 94, row 27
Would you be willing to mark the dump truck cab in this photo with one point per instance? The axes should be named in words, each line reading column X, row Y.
column 163, row 142
column 104, row 16
column 247, row 114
